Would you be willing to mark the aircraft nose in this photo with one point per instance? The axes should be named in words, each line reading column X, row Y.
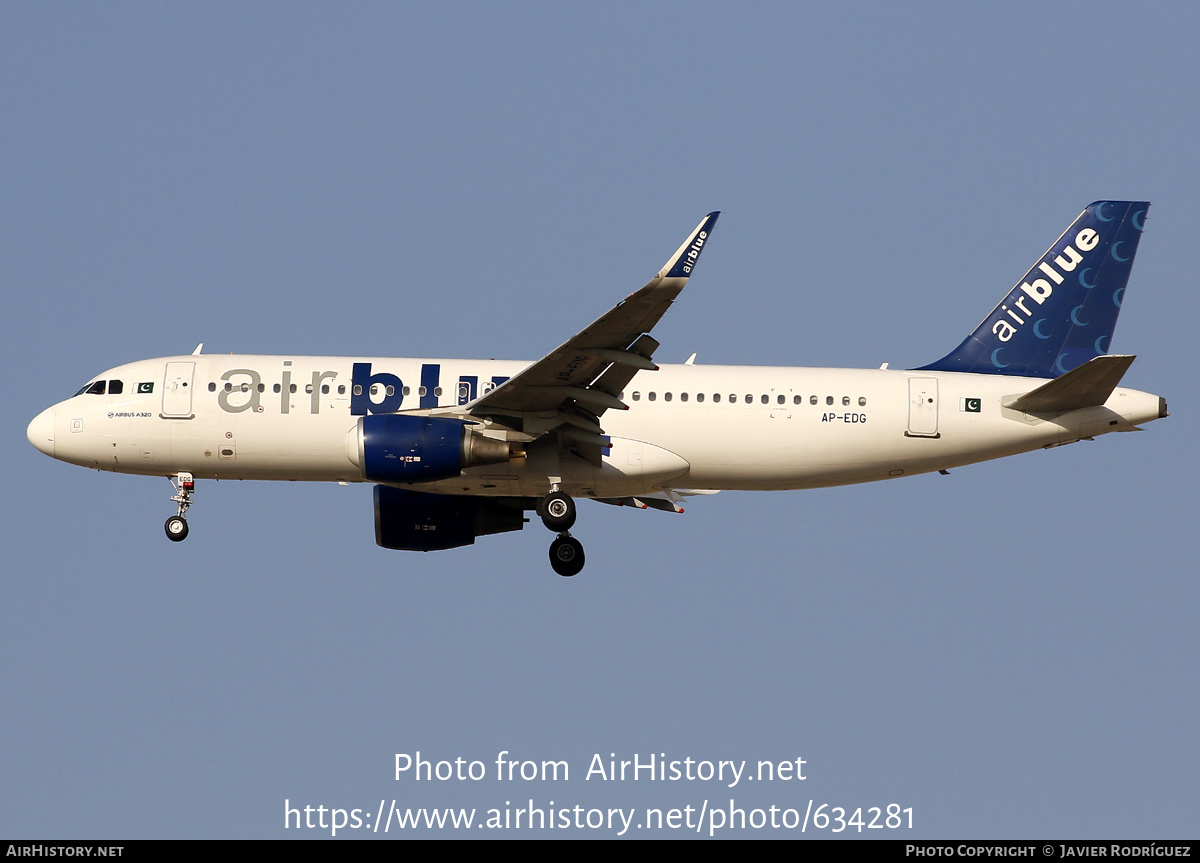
column 41, row 432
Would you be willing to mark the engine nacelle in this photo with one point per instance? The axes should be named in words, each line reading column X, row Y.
column 417, row 521
column 407, row 448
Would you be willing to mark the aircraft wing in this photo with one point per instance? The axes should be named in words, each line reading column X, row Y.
column 578, row 381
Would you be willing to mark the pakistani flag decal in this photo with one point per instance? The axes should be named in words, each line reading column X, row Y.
column 147, row 387
column 972, row 406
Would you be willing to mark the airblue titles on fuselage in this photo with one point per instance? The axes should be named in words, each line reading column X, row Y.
column 370, row 393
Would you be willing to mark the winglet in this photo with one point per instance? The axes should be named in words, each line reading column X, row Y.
column 681, row 263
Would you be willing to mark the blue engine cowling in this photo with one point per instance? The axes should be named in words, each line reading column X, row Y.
column 409, row 449
column 418, row 521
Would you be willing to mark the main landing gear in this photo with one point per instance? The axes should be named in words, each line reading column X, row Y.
column 558, row 514
column 177, row 526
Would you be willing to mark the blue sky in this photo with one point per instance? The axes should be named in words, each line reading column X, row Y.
column 1009, row 650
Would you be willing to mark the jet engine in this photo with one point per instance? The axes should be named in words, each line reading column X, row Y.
column 405, row 448
column 416, row 521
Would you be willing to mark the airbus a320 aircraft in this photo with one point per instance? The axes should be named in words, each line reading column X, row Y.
column 463, row 448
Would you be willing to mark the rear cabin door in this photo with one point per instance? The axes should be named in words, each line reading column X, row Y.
column 922, row 407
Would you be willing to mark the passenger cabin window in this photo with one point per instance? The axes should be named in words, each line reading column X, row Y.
column 279, row 388
column 637, row 397
column 766, row 399
column 862, row 401
column 683, row 397
column 652, row 396
column 812, row 400
column 666, row 397
column 699, row 397
column 828, row 400
column 845, row 401
column 212, row 386
column 798, row 400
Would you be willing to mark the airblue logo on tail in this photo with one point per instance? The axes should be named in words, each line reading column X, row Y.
column 1064, row 311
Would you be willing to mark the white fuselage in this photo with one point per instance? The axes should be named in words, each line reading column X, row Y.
column 687, row 427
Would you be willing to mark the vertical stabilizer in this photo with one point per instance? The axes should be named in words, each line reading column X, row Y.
column 1063, row 312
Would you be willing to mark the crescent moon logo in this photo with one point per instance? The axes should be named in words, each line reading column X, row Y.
column 1139, row 219
column 1118, row 297
column 1113, row 251
column 996, row 359
column 1037, row 332
column 1100, row 212
column 1058, row 364
column 1075, row 317
column 1100, row 349
column 1085, row 282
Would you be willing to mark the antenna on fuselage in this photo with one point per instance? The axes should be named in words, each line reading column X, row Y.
column 199, row 348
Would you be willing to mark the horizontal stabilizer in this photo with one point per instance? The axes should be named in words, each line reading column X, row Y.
column 1087, row 386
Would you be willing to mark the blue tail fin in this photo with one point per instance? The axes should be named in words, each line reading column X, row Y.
column 1063, row 312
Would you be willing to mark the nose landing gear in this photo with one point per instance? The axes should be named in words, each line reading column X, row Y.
column 177, row 526
column 558, row 514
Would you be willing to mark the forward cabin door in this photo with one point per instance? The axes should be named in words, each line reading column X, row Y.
column 177, row 391
column 922, row 407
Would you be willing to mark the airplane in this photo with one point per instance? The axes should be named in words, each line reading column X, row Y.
column 463, row 448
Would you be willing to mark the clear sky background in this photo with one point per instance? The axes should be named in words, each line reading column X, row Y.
column 1010, row 650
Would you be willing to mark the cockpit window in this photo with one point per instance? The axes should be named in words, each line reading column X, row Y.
column 115, row 388
column 93, row 389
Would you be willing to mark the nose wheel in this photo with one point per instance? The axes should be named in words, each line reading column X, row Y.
column 177, row 529
column 177, row 526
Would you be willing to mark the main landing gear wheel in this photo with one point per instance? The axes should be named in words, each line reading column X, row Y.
column 566, row 555
column 557, row 511
column 177, row 529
